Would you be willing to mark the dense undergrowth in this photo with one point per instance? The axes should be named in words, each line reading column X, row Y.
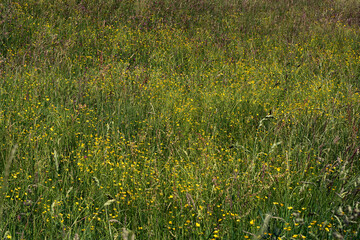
column 179, row 119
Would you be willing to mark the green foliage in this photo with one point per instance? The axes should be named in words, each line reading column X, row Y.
column 179, row 119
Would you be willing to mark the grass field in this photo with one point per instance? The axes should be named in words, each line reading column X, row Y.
column 191, row 119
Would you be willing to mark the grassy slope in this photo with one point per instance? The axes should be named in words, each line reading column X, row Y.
column 187, row 120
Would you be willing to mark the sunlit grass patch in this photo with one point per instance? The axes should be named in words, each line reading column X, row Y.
column 179, row 120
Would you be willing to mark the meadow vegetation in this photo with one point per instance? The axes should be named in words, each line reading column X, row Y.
column 191, row 119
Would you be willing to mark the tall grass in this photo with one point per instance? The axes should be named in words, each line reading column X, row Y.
column 179, row 119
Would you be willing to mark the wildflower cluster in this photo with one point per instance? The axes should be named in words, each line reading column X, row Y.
column 184, row 120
